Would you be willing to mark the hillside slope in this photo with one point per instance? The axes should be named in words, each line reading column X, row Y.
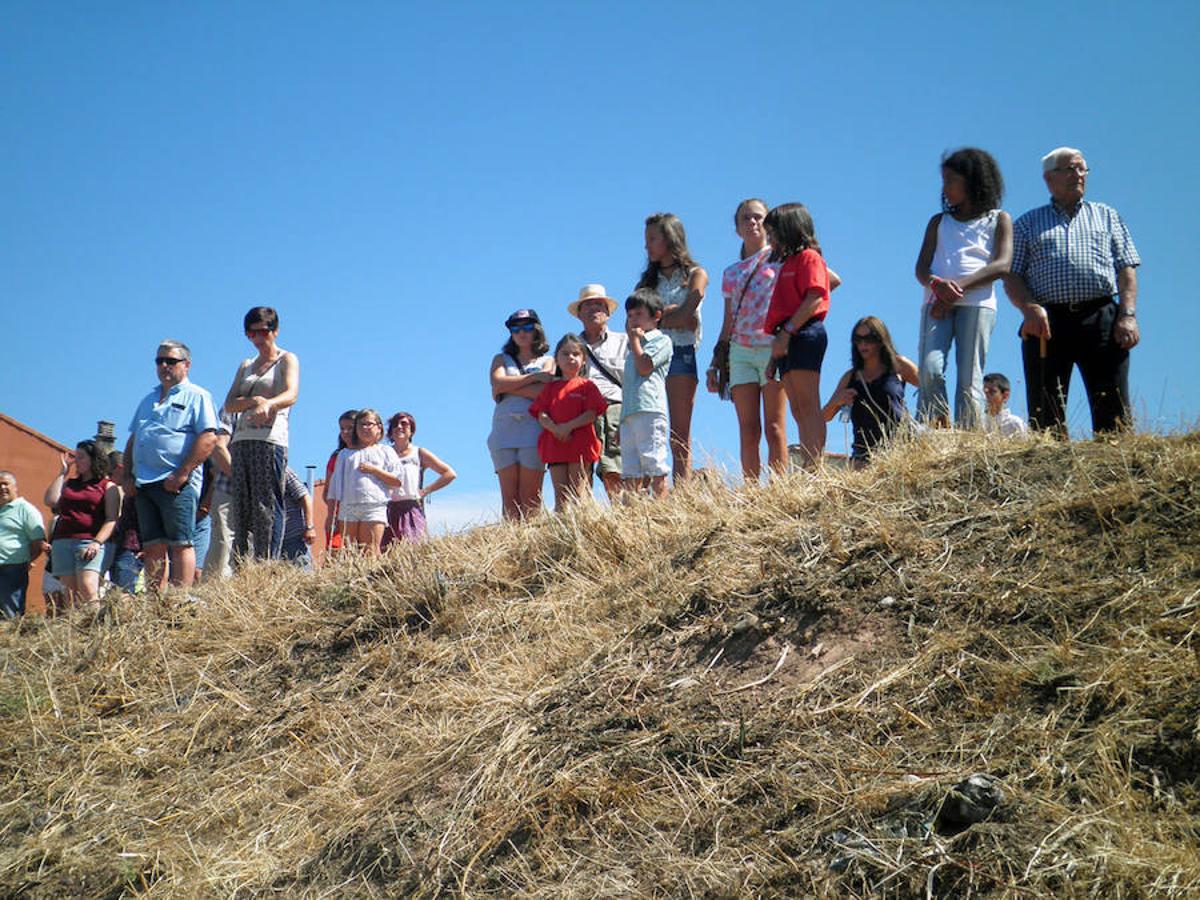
column 766, row 692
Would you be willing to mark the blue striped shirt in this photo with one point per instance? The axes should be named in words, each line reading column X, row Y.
column 1064, row 258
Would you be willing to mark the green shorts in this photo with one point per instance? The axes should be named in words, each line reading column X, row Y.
column 608, row 429
column 748, row 365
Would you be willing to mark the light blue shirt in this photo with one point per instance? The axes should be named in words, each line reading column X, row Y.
column 647, row 393
column 20, row 526
column 164, row 432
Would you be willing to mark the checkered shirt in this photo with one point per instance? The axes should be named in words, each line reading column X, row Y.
column 1065, row 259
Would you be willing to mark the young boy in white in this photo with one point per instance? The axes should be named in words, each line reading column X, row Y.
column 1000, row 419
column 645, row 435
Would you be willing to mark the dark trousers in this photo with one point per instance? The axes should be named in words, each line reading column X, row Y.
column 1080, row 337
column 14, row 582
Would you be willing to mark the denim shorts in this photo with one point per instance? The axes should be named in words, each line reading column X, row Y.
column 525, row 457
column 645, row 446
column 683, row 360
column 748, row 365
column 806, row 350
column 166, row 518
column 65, row 560
column 375, row 513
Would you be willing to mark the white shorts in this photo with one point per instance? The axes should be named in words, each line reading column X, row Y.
column 645, row 446
column 363, row 512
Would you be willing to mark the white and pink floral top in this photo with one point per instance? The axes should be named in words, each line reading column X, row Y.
column 760, row 272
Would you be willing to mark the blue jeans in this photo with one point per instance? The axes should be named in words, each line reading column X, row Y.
column 125, row 570
column 970, row 329
column 201, row 537
column 14, row 582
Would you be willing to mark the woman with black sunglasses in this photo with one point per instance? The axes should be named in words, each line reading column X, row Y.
column 518, row 373
column 263, row 392
column 873, row 389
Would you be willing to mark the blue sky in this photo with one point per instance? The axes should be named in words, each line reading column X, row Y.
column 395, row 178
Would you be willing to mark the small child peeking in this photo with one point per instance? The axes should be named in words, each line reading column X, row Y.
column 1000, row 419
column 645, row 435
column 567, row 409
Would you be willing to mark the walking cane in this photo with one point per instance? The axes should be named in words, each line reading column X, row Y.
column 1042, row 353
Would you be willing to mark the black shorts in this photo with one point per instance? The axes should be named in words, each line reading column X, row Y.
column 806, row 349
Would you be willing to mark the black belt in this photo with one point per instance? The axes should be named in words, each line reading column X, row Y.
column 1080, row 306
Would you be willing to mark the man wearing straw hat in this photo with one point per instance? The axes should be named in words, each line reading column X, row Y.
column 1069, row 258
column 606, row 351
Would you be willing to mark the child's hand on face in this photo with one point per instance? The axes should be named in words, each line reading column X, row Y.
column 635, row 331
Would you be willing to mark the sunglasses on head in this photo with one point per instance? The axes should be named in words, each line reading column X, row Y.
column 524, row 326
column 166, row 360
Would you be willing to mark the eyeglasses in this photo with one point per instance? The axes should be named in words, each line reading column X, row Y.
column 517, row 329
column 166, row 360
column 1078, row 170
column 370, row 424
column 866, row 338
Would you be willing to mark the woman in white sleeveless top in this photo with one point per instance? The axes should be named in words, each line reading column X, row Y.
column 967, row 247
column 264, row 389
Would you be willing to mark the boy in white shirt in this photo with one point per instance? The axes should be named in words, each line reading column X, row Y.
column 1000, row 419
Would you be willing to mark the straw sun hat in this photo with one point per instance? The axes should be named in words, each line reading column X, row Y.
column 592, row 292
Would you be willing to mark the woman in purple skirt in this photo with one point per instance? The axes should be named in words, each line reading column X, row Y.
column 406, row 509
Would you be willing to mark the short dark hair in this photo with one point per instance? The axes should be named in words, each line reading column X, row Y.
column 261, row 315
column 985, row 184
column 995, row 379
column 647, row 299
column 397, row 419
column 794, row 231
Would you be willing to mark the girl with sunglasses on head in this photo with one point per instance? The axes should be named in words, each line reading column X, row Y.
column 967, row 247
column 86, row 508
column 796, row 319
column 518, row 373
column 264, row 389
column 873, row 389
column 406, row 508
column 365, row 471
column 681, row 282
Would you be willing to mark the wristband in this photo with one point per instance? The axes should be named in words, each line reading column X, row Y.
column 1126, row 314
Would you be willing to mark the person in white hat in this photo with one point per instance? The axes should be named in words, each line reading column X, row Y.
column 606, row 352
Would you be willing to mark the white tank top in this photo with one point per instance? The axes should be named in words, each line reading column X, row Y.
column 409, row 474
column 964, row 248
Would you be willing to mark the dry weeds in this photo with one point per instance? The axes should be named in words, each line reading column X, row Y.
column 763, row 692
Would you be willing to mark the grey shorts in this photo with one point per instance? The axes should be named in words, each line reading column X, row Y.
column 608, row 429
column 525, row 457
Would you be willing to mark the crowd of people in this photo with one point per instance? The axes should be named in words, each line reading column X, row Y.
column 202, row 488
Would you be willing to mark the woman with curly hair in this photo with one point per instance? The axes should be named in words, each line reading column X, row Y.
column 87, row 508
column 967, row 247
column 681, row 282
column 873, row 389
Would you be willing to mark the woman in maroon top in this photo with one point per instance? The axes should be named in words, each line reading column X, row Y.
column 87, row 507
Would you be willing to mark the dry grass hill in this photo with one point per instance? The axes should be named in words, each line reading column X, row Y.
column 768, row 692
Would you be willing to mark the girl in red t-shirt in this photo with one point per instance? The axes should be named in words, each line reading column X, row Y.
column 567, row 409
column 796, row 317
column 87, row 507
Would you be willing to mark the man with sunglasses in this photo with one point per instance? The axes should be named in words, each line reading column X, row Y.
column 171, row 435
column 1070, row 257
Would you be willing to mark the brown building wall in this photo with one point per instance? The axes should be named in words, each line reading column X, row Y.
column 34, row 459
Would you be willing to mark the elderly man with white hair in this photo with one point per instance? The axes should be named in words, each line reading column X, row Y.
column 22, row 539
column 1070, row 257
